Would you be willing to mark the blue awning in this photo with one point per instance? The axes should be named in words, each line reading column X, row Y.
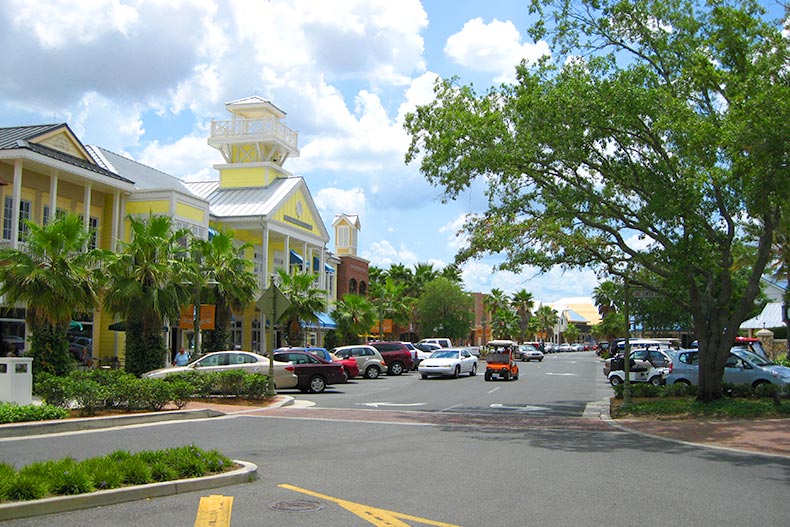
column 317, row 265
column 324, row 322
column 295, row 258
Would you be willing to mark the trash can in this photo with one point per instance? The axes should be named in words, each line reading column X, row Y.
column 16, row 380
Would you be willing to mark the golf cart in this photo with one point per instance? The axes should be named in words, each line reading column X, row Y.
column 501, row 360
column 639, row 372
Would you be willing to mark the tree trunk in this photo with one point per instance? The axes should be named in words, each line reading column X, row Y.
column 715, row 342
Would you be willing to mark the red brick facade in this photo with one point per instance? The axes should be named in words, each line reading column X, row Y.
column 352, row 276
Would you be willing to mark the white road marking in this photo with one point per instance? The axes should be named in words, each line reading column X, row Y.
column 376, row 405
column 562, row 374
column 495, row 389
column 527, row 408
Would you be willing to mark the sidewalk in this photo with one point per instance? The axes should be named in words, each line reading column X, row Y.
column 769, row 437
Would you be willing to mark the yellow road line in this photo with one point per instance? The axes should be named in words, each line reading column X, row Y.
column 374, row 515
column 214, row 511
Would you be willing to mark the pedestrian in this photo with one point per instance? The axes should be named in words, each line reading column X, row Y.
column 181, row 358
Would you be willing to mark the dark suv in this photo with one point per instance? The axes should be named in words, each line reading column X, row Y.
column 396, row 355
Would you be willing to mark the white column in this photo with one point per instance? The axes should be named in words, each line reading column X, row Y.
column 86, row 200
column 53, row 196
column 115, row 233
column 15, row 208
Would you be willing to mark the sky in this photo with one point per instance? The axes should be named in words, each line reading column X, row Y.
column 145, row 78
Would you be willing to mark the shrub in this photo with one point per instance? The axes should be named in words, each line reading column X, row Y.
column 24, row 487
column 156, row 394
column 643, row 389
column 768, row 391
column 103, row 474
column 181, row 390
column 255, row 385
column 15, row 413
column 229, row 382
column 56, row 391
column 135, row 471
column 90, row 396
column 682, row 390
column 70, row 478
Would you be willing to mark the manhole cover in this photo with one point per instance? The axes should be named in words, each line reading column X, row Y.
column 297, row 506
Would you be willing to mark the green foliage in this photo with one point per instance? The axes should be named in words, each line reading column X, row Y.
column 444, row 310
column 14, row 413
column 354, row 316
column 89, row 396
column 229, row 382
column 56, row 391
column 331, row 339
column 305, row 301
column 255, row 385
column 181, row 390
column 68, row 477
column 49, row 347
column 579, row 154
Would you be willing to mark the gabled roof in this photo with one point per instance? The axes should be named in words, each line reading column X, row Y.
column 24, row 137
column 244, row 201
column 143, row 176
column 771, row 317
column 353, row 219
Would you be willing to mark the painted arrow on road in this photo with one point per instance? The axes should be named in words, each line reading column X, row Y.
column 376, row 405
column 527, row 408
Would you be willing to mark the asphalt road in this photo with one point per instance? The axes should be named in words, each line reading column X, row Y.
column 459, row 452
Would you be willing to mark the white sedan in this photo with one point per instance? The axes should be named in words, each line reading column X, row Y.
column 284, row 375
column 448, row 362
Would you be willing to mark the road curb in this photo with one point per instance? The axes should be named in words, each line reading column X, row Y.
column 26, row 509
column 95, row 423
column 607, row 418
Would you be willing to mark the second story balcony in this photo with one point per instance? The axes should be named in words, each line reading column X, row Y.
column 252, row 130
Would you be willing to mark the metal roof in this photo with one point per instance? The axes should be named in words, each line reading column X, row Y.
column 771, row 317
column 143, row 176
column 244, row 201
column 20, row 137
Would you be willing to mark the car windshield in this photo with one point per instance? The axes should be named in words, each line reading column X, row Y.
column 444, row 355
column 754, row 359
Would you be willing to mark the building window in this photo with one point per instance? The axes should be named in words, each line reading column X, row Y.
column 363, row 288
column 342, row 236
column 256, row 332
column 236, row 333
column 352, row 286
column 93, row 225
column 8, row 210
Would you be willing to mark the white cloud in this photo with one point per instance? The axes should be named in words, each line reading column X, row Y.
column 339, row 201
column 495, row 47
column 455, row 241
column 189, row 158
column 383, row 254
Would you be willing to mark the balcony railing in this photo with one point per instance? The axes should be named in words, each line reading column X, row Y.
column 239, row 128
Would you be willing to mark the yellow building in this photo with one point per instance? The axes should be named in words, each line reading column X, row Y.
column 46, row 168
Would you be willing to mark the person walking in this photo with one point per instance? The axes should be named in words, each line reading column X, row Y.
column 181, row 358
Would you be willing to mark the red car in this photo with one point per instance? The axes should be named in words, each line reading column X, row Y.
column 314, row 374
column 349, row 364
column 396, row 355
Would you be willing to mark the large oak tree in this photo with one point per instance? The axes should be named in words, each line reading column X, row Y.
column 645, row 145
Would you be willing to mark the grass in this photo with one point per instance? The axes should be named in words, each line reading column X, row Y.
column 733, row 408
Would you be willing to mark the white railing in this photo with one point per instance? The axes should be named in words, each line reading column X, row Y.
column 247, row 127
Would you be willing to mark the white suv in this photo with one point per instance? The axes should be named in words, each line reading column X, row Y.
column 443, row 342
column 369, row 361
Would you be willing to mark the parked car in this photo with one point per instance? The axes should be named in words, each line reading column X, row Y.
column 441, row 341
column 425, row 350
column 349, row 365
column 314, row 374
column 564, row 347
column 284, row 374
column 368, row 359
column 449, row 362
column 742, row 367
column 640, row 359
column 528, row 352
column 396, row 355
column 414, row 355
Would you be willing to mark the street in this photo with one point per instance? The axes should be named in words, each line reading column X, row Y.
column 449, row 452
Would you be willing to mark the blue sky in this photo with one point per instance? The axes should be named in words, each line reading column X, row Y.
column 145, row 78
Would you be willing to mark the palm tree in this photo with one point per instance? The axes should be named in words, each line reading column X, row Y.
column 452, row 273
column 148, row 282
column 306, row 300
column 54, row 276
column 607, row 296
column 547, row 319
column 423, row 274
column 399, row 273
column 523, row 302
column 235, row 286
column 354, row 316
column 496, row 300
column 389, row 301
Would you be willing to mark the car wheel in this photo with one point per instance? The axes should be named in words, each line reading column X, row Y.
column 317, row 384
column 487, row 376
column 759, row 383
column 506, row 376
column 348, row 375
column 424, row 376
column 524, row 358
column 372, row 372
column 683, row 381
column 396, row 368
column 540, row 359
column 515, row 377
column 615, row 381
column 474, row 370
column 655, row 381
